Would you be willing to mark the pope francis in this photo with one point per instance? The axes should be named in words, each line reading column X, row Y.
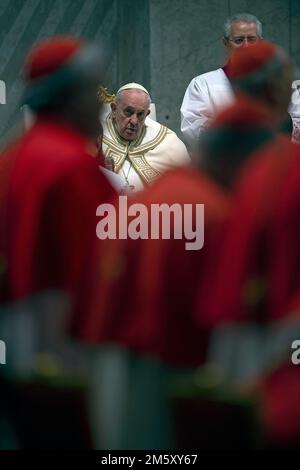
column 142, row 149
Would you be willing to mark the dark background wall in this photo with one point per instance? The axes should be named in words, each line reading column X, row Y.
column 162, row 44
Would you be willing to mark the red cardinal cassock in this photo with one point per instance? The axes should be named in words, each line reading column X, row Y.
column 257, row 277
column 240, row 285
column 280, row 406
column 241, row 290
column 50, row 189
column 145, row 298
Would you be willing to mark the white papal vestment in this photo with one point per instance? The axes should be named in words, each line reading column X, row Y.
column 142, row 161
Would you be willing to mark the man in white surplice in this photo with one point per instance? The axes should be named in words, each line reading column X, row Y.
column 209, row 92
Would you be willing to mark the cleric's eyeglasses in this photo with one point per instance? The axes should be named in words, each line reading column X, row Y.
column 238, row 40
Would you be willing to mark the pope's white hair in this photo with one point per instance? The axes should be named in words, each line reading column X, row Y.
column 245, row 17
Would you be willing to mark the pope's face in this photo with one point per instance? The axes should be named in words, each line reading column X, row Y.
column 129, row 113
column 241, row 35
